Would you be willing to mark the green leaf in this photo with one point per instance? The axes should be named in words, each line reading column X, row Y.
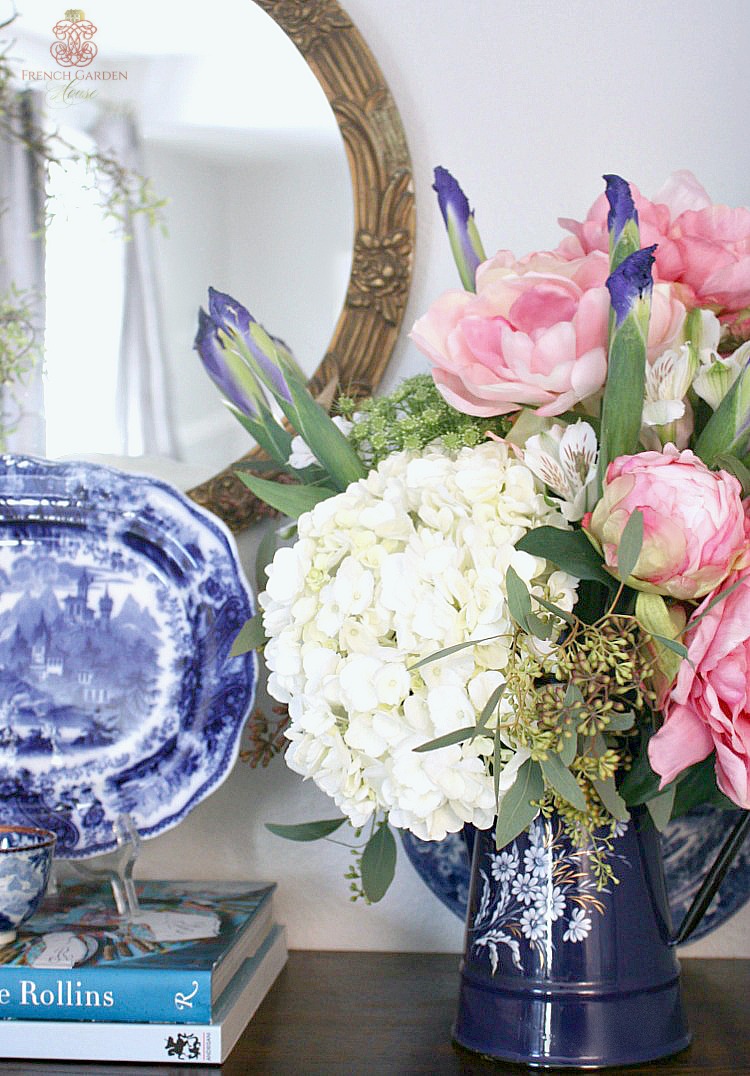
column 491, row 705
column 305, row 831
column 378, row 863
column 569, row 550
column 573, row 704
column 251, row 636
column 627, row 244
column 622, row 405
column 620, row 722
column 324, row 439
column 516, row 812
column 266, row 550
column 519, row 600
column 724, row 431
column 652, row 614
column 640, row 783
column 697, row 785
column 457, row 736
column 270, row 436
column 451, row 650
column 671, row 644
column 573, row 696
column 559, row 777
column 569, row 749
column 497, row 763
column 257, row 466
column 734, row 467
column 558, row 612
column 631, row 543
column 611, row 798
column 660, row 807
column 538, row 628
column 290, row 500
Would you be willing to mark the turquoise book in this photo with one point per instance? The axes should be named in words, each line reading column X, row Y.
column 77, row 959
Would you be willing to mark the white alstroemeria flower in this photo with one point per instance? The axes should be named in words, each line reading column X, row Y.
column 302, row 457
column 717, row 374
column 667, row 414
column 564, row 457
column 668, row 379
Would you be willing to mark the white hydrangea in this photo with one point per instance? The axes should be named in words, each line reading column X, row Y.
column 407, row 561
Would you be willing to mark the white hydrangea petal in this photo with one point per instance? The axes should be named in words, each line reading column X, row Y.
column 409, row 560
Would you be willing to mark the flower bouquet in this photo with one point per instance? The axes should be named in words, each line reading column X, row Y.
column 518, row 594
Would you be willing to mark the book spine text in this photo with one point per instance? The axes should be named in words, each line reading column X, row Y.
column 128, row 995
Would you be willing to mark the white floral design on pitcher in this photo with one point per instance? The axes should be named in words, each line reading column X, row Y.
column 524, row 892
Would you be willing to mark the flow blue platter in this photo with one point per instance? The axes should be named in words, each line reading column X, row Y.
column 119, row 602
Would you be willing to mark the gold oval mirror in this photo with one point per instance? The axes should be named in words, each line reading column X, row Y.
column 250, row 153
column 384, row 220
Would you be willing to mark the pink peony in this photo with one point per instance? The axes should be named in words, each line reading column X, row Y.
column 693, row 521
column 703, row 248
column 709, row 705
column 534, row 335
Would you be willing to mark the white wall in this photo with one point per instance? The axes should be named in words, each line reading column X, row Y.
column 275, row 231
column 528, row 102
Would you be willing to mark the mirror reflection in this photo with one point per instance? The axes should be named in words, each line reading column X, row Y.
column 231, row 127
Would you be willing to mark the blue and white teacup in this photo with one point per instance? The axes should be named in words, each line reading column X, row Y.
column 25, row 862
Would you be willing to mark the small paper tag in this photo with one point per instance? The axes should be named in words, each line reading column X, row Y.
column 179, row 926
column 60, row 950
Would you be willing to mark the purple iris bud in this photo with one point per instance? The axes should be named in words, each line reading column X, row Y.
column 621, row 206
column 227, row 312
column 234, row 319
column 211, row 350
column 468, row 251
column 268, row 371
column 630, row 282
column 450, row 196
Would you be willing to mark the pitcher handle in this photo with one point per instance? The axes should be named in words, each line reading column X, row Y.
column 713, row 879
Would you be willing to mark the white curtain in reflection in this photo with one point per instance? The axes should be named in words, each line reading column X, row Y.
column 143, row 410
column 22, row 274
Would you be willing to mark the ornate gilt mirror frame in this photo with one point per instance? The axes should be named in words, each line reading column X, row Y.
column 384, row 219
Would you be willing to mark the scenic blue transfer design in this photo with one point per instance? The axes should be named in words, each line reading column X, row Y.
column 75, row 674
column 119, row 602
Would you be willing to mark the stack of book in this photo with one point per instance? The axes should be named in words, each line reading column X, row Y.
column 178, row 981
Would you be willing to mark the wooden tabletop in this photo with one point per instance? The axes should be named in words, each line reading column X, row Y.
column 390, row 1014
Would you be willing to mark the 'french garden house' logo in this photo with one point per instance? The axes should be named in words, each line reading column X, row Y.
column 73, row 51
column 73, row 46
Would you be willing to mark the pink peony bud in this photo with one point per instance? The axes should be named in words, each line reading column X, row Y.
column 693, row 521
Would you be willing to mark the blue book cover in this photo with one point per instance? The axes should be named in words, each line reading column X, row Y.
column 76, row 959
column 180, row 1044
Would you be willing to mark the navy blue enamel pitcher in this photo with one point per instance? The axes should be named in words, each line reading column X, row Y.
column 559, row 973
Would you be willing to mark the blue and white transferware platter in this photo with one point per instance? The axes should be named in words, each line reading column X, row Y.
column 689, row 845
column 119, row 602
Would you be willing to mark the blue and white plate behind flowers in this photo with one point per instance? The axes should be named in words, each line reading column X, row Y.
column 119, row 602
column 689, row 845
